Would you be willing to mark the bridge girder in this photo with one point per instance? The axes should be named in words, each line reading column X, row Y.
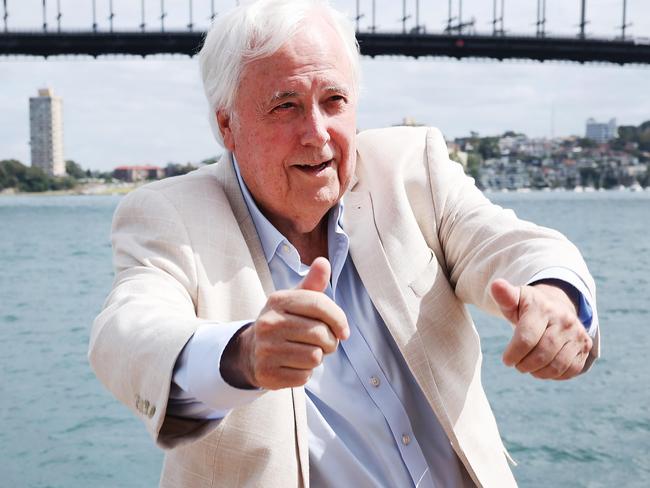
column 372, row 44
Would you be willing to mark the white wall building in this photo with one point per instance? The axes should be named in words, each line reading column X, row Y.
column 46, row 132
column 601, row 132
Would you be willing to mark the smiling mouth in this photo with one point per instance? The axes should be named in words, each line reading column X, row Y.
column 314, row 168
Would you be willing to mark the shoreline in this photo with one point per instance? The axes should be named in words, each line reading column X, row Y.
column 108, row 189
column 98, row 189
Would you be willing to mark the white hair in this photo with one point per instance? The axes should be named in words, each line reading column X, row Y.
column 257, row 30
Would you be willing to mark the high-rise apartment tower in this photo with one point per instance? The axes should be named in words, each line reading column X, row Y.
column 601, row 132
column 46, row 132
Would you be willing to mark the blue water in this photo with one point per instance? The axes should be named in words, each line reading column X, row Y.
column 59, row 428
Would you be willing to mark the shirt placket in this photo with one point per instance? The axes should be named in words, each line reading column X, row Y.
column 379, row 389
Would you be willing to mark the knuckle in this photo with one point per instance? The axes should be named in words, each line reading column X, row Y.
column 540, row 357
column 315, row 357
column 276, row 299
column 551, row 342
column 329, row 346
column 567, row 320
column 262, row 327
column 566, row 325
column 527, row 339
column 265, row 323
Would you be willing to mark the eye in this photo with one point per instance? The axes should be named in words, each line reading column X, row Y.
column 337, row 98
column 283, row 106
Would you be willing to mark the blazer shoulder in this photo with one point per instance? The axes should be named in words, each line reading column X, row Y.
column 397, row 136
column 202, row 187
column 400, row 143
column 404, row 152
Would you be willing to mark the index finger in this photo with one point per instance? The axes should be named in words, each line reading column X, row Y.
column 316, row 305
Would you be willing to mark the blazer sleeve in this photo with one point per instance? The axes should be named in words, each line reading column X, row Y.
column 149, row 315
column 481, row 241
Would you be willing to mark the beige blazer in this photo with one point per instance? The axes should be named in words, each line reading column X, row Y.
column 424, row 240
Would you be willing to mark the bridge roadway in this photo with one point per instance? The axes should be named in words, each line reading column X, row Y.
column 629, row 51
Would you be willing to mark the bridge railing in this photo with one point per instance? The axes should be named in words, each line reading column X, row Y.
column 455, row 39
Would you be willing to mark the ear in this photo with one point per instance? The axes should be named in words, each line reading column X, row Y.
column 224, row 120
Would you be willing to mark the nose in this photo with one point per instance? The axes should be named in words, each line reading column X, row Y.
column 315, row 130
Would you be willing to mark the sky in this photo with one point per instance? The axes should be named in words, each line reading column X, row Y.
column 128, row 110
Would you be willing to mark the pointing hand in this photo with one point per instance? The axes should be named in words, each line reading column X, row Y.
column 292, row 334
column 549, row 340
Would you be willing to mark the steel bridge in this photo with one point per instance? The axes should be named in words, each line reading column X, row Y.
column 457, row 39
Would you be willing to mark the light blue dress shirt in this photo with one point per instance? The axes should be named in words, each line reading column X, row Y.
column 369, row 422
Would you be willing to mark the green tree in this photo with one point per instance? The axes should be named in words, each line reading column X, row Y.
column 644, row 136
column 11, row 171
column 74, row 170
column 62, row 183
column 631, row 134
column 34, row 180
column 586, row 142
column 175, row 169
column 474, row 165
column 627, row 133
column 211, row 160
column 488, row 147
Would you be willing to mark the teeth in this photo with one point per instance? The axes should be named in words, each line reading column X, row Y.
column 313, row 165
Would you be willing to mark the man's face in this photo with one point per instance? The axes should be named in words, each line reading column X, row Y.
column 293, row 128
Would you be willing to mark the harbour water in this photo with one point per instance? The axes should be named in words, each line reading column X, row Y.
column 59, row 428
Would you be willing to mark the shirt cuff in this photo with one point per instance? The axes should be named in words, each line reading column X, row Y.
column 197, row 372
column 576, row 288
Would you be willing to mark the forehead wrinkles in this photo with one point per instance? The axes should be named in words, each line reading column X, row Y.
column 308, row 60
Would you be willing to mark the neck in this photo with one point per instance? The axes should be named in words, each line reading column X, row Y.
column 312, row 244
column 309, row 245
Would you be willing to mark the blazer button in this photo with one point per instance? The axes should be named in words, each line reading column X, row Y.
column 145, row 407
column 152, row 411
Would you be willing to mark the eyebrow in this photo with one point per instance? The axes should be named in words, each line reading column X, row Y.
column 283, row 95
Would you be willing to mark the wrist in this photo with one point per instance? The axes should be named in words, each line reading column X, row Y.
column 235, row 366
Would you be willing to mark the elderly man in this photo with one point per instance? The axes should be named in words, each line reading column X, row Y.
column 294, row 314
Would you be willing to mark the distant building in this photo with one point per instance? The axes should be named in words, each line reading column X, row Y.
column 138, row 173
column 46, row 132
column 601, row 132
column 408, row 122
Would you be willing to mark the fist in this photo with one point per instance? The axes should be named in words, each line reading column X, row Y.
column 294, row 331
column 549, row 341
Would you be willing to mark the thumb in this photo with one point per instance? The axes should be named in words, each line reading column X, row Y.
column 506, row 297
column 318, row 276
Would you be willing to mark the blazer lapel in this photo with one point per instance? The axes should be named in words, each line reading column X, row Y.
column 226, row 175
column 386, row 294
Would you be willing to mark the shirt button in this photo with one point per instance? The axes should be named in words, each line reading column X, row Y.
column 285, row 248
column 374, row 381
column 406, row 439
